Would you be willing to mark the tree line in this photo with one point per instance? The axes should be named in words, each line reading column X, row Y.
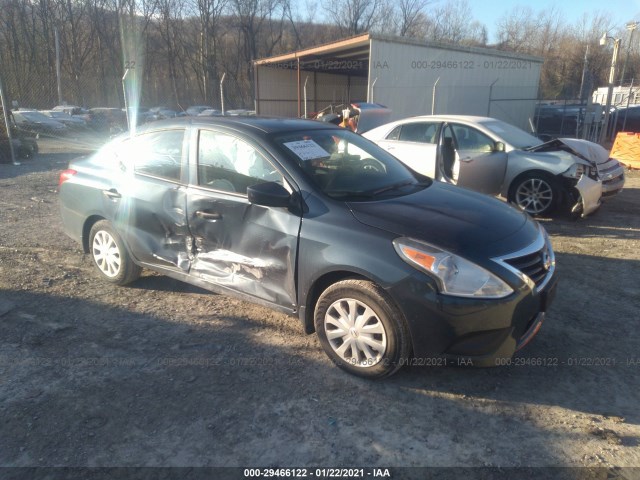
column 175, row 52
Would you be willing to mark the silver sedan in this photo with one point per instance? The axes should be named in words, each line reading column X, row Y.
column 494, row 157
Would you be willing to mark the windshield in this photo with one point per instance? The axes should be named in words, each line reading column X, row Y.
column 346, row 166
column 514, row 136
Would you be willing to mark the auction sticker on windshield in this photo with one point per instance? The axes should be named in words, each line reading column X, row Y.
column 307, row 149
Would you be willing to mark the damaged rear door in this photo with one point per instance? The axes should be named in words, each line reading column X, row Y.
column 239, row 245
column 152, row 199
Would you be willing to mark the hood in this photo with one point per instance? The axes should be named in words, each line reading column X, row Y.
column 371, row 115
column 452, row 218
column 584, row 149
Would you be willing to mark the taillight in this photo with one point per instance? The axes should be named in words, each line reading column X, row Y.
column 66, row 175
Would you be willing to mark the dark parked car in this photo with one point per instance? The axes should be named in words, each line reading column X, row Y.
column 36, row 123
column 314, row 220
column 24, row 143
column 627, row 119
column 161, row 113
column 196, row 110
column 72, row 122
column 108, row 119
column 210, row 112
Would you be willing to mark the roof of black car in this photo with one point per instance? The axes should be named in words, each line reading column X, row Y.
column 249, row 122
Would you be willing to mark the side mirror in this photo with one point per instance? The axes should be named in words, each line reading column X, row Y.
column 498, row 147
column 269, row 194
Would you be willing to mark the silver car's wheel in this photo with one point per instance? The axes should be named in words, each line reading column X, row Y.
column 361, row 329
column 355, row 332
column 535, row 194
column 110, row 256
column 106, row 254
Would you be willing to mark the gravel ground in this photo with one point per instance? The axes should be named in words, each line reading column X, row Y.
column 160, row 373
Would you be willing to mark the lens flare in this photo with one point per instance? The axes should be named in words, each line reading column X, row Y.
column 133, row 64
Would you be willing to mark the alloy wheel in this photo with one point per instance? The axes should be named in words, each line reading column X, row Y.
column 534, row 196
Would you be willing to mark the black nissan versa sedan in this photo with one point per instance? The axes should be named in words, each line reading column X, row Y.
column 386, row 265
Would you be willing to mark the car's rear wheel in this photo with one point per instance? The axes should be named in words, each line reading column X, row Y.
column 535, row 193
column 110, row 255
column 361, row 329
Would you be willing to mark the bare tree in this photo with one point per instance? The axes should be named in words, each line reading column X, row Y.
column 205, row 65
column 411, row 20
column 261, row 26
column 353, row 17
column 76, row 41
column 453, row 23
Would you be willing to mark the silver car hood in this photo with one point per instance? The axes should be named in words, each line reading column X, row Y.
column 591, row 152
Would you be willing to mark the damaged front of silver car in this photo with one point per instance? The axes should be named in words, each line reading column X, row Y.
column 583, row 169
column 609, row 172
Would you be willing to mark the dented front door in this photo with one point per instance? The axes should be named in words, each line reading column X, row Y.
column 238, row 245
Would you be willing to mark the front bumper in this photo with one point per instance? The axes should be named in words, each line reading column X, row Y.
column 590, row 194
column 469, row 332
column 582, row 197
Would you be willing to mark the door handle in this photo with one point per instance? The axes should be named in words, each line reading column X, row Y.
column 112, row 193
column 391, row 148
column 208, row 215
column 466, row 159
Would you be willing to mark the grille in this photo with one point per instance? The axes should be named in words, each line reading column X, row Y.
column 535, row 265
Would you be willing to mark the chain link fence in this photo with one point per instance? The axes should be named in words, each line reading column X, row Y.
column 81, row 114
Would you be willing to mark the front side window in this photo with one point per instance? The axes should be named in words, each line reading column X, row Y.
column 230, row 164
column 470, row 139
column 395, row 133
column 157, row 154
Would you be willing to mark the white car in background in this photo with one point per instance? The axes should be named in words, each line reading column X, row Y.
column 494, row 157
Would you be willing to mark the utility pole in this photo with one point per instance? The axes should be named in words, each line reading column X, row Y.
column 7, row 123
column 612, row 75
column 584, row 73
column 631, row 26
column 58, row 66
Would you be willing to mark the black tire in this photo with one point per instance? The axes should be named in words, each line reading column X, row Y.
column 536, row 193
column 32, row 145
column 110, row 256
column 379, row 351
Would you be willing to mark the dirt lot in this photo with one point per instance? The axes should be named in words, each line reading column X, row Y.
column 164, row 374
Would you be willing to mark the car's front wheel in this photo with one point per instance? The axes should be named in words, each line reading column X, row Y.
column 361, row 329
column 535, row 193
column 110, row 256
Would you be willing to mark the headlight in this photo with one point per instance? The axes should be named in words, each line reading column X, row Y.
column 575, row 171
column 455, row 275
column 578, row 169
column 547, row 241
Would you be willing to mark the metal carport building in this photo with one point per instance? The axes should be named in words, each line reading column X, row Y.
column 409, row 76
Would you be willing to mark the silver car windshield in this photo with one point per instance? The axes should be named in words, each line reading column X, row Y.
column 346, row 166
column 511, row 135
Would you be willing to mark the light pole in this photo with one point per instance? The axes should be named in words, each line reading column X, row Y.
column 631, row 26
column 584, row 73
column 612, row 76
